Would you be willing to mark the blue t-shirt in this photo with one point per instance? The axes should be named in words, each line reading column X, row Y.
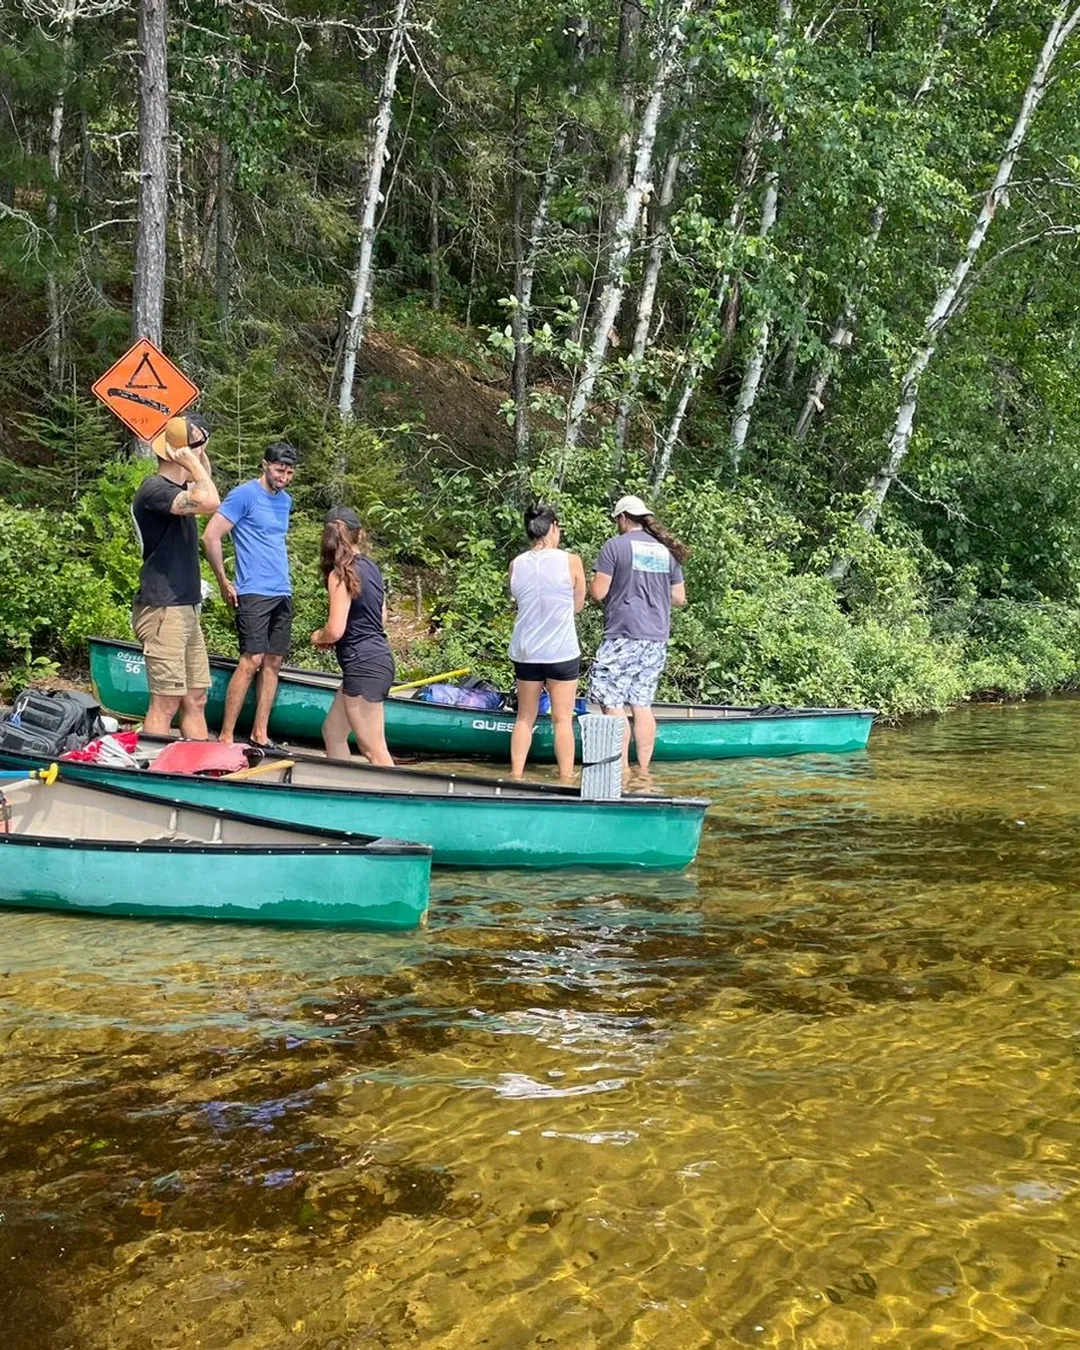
column 642, row 572
column 260, row 523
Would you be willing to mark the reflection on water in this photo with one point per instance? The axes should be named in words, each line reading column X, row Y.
column 818, row 1092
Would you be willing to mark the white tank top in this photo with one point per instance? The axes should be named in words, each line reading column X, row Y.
column 540, row 583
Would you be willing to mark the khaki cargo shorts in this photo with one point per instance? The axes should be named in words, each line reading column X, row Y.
column 175, row 648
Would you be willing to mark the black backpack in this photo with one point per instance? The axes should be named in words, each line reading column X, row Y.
column 51, row 723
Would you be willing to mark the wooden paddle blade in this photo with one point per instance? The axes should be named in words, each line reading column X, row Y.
column 267, row 766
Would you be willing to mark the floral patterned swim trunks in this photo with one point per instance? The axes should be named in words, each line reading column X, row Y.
column 626, row 670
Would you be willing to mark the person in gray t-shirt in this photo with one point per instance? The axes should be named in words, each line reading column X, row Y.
column 637, row 578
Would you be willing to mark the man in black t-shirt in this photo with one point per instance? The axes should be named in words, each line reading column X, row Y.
column 166, row 611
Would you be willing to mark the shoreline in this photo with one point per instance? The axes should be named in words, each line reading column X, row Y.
column 78, row 677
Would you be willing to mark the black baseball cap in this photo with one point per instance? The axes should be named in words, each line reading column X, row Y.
column 346, row 515
column 281, row 452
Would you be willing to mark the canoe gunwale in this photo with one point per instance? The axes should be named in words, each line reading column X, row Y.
column 691, row 805
column 723, row 712
column 195, row 847
column 538, row 794
column 338, row 841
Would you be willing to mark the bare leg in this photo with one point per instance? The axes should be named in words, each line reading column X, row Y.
column 335, row 730
column 160, row 714
column 562, row 716
column 621, row 712
column 528, row 701
column 246, row 670
column 268, row 682
column 366, row 720
column 644, row 735
column 193, row 715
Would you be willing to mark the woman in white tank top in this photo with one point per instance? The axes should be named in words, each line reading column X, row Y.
column 548, row 584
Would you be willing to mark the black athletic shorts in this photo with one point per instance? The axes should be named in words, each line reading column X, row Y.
column 264, row 624
column 370, row 679
column 539, row 671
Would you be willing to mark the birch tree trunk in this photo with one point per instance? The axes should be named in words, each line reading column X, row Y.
column 703, row 350
column 519, row 375
column 671, row 436
column 630, row 15
column 524, row 277
column 148, row 299
column 839, row 338
column 52, row 206
column 647, row 300
column 434, row 245
column 623, row 234
column 748, row 393
column 357, row 313
column 843, row 330
column 224, row 261
column 1064, row 23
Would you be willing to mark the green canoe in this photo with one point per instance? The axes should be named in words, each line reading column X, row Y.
column 469, row 822
column 683, row 731
column 104, row 850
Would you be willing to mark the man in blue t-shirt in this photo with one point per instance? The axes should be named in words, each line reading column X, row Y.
column 257, row 515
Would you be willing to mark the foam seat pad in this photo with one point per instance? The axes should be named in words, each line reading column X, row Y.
column 199, row 757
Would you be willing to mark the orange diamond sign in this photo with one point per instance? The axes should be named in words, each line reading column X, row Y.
column 144, row 389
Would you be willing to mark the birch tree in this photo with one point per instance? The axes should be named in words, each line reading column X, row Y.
column 526, row 256
column 950, row 297
column 706, row 331
column 63, row 18
column 357, row 314
column 842, row 332
column 148, row 296
column 647, row 299
column 840, row 337
column 766, row 128
column 58, row 17
column 756, row 365
column 623, row 233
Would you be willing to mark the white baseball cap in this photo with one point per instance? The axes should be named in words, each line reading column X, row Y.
column 631, row 506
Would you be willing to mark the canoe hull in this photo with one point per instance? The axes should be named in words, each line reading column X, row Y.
column 464, row 831
column 118, row 671
column 99, row 848
column 305, row 888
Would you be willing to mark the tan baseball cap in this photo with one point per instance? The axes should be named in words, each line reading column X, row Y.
column 177, row 435
column 631, row 506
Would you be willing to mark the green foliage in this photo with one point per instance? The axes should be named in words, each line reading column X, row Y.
column 412, row 323
column 880, row 113
column 54, row 596
column 79, row 438
column 1015, row 649
column 355, row 466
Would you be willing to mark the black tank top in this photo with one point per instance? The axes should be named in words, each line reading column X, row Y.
column 364, row 638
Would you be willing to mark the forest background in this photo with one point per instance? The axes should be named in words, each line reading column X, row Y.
column 802, row 274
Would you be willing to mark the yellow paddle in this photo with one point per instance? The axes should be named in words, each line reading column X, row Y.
column 267, row 766
column 431, row 679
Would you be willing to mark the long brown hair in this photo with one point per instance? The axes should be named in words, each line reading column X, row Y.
column 679, row 551
column 337, row 551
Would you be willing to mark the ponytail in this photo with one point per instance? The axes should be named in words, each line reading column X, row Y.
column 678, row 550
column 337, row 551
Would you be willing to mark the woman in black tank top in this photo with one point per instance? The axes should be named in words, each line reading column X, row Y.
column 356, row 629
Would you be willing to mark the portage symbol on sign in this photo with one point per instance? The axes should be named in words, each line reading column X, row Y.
column 144, row 389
